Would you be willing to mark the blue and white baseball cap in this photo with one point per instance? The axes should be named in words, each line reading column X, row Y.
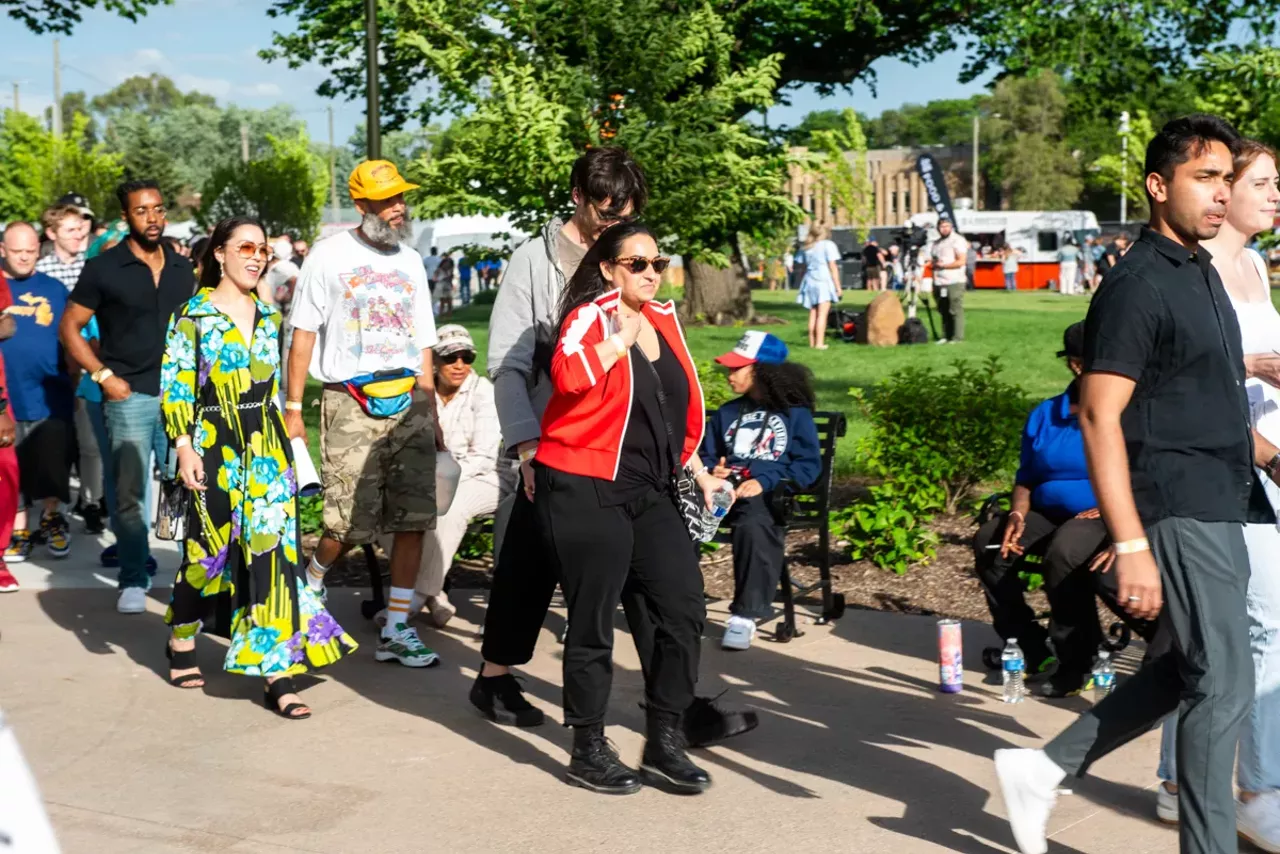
column 755, row 346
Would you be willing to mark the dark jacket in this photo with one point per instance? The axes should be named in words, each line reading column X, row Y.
column 775, row 446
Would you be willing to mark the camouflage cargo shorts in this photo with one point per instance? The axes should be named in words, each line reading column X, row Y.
column 379, row 473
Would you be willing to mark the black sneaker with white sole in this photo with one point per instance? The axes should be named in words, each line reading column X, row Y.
column 500, row 699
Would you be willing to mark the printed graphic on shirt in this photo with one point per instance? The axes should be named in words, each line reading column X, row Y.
column 37, row 307
column 378, row 306
column 758, row 435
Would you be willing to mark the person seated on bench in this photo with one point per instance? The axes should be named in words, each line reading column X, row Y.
column 469, row 421
column 756, row 441
column 1054, row 514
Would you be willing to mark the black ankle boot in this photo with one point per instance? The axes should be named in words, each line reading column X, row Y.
column 595, row 764
column 706, row 724
column 664, row 762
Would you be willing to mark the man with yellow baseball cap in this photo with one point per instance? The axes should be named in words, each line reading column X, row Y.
column 363, row 326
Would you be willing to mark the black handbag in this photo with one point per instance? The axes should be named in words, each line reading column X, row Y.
column 684, row 491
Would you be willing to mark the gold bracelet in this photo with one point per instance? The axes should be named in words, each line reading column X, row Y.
column 293, row 405
column 1129, row 547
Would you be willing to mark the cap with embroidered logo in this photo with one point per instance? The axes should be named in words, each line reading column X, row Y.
column 755, row 346
column 377, row 180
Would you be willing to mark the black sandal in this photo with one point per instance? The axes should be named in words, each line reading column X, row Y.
column 184, row 660
column 271, row 699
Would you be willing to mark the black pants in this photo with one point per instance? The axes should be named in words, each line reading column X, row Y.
column 600, row 550
column 1066, row 550
column 759, row 543
column 1206, row 673
column 525, row 579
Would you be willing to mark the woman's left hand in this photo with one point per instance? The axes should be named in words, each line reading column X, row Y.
column 709, row 483
column 748, row 489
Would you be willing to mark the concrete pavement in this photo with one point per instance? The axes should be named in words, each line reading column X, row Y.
column 856, row 752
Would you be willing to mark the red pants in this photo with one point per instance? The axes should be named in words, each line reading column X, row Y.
column 8, row 493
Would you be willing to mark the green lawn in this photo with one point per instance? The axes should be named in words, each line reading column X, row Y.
column 1023, row 329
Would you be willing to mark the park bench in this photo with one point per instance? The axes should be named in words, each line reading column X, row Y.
column 370, row 607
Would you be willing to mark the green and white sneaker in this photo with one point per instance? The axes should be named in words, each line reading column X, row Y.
column 401, row 643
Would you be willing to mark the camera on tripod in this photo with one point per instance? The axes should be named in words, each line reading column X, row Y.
column 910, row 238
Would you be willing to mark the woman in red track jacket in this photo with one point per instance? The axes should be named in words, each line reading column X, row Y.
column 625, row 414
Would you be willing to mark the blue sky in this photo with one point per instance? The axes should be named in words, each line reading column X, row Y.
column 212, row 46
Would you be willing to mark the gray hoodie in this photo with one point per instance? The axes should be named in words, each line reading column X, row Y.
column 524, row 321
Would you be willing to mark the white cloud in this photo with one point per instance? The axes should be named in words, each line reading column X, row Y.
column 216, row 86
column 260, row 90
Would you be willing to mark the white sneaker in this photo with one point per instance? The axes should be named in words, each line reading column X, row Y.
column 738, row 633
column 133, row 600
column 940, row 341
column 442, row 610
column 1029, row 783
column 1166, row 805
column 1259, row 821
column 401, row 643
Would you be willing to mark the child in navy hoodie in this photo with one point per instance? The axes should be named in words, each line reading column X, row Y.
column 758, row 440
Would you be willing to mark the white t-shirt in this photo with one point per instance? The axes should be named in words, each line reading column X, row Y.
column 949, row 250
column 430, row 264
column 371, row 311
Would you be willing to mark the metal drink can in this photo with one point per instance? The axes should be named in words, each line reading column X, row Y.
column 950, row 657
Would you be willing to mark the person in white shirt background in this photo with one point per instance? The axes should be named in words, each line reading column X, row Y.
column 469, row 421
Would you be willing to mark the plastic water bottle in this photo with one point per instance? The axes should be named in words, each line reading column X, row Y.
column 1104, row 676
column 1013, row 669
column 721, row 501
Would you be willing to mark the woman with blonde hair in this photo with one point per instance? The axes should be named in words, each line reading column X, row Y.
column 819, row 274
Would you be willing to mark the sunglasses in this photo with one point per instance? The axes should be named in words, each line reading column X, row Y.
column 638, row 264
column 248, row 249
column 466, row 356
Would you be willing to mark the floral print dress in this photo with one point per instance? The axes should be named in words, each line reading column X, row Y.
column 242, row 540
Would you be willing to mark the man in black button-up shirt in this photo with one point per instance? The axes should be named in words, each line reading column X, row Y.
column 1166, row 429
column 133, row 290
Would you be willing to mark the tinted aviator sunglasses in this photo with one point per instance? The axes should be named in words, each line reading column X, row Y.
column 638, row 264
column 248, row 249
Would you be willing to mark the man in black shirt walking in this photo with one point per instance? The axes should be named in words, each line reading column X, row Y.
column 133, row 289
column 1166, row 428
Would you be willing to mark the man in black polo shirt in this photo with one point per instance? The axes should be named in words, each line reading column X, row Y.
column 1166, row 428
column 133, row 289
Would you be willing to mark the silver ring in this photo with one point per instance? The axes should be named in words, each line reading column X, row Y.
column 1135, row 598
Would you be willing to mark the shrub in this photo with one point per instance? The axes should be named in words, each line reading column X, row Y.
column 937, row 435
column 311, row 514
column 886, row 531
column 484, row 297
column 715, row 388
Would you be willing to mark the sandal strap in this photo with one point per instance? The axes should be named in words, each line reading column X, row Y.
column 187, row 680
column 288, row 711
column 280, row 687
column 184, row 660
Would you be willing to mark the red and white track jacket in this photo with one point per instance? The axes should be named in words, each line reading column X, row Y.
column 586, row 419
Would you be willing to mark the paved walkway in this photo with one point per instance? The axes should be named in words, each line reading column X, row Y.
column 857, row 751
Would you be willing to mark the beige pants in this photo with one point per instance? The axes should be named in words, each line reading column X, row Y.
column 473, row 498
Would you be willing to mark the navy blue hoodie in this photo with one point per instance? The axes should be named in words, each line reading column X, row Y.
column 775, row 446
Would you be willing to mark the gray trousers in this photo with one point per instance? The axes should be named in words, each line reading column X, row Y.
column 1205, row 673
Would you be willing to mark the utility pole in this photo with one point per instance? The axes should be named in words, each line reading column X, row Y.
column 1124, row 165
column 57, row 91
column 244, row 142
column 977, row 196
column 373, row 134
column 333, row 172
column 17, row 105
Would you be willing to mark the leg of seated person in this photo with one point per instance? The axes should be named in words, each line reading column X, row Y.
column 1011, row 616
column 473, row 498
column 1073, row 624
column 758, row 547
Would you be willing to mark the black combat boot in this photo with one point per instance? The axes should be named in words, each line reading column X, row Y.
column 595, row 764
column 664, row 762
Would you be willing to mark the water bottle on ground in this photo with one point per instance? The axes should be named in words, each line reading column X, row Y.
column 1013, row 670
column 1104, row 676
column 721, row 501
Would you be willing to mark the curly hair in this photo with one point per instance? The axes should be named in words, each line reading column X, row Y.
column 780, row 387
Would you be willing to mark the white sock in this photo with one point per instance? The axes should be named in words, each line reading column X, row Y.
column 397, row 607
column 315, row 575
column 417, row 602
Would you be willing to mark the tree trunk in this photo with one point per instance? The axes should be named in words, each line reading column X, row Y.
column 716, row 296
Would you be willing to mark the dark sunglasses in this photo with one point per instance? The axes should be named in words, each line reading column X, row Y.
column 466, row 356
column 638, row 264
column 248, row 249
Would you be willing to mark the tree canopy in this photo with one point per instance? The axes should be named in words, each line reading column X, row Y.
column 61, row 16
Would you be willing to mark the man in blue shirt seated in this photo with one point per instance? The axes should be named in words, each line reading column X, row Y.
column 1053, row 513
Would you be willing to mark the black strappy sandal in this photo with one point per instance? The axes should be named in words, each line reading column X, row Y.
column 271, row 699
column 184, row 660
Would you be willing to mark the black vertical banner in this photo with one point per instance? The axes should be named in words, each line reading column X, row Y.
column 935, row 187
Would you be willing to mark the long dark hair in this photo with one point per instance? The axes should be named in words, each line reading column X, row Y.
column 211, row 272
column 780, row 387
column 589, row 283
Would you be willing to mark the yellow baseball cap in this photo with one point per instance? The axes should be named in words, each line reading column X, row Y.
column 377, row 180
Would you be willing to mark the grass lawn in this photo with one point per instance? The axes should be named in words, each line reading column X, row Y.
column 1023, row 329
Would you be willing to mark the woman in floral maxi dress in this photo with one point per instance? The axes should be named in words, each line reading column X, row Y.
column 219, row 393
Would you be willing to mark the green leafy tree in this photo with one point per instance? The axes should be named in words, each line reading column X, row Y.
column 145, row 156
column 1242, row 84
column 1029, row 161
column 36, row 167
column 152, row 95
column 286, row 189
column 74, row 104
column 60, row 16
column 1122, row 171
column 819, row 120
column 947, row 121
column 844, row 165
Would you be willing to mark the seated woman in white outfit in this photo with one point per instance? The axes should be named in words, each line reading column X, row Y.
column 469, row 421
column 1254, row 198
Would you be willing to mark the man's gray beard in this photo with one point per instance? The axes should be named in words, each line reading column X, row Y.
column 377, row 230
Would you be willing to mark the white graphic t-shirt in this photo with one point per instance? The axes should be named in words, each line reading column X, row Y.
column 370, row 310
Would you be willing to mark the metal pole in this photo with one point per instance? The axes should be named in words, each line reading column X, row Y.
column 1124, row 166
column 333, row 172
column 373, row 134
column 244, row 142
column 977, row 201
column 57, row 90
column 17, row 105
